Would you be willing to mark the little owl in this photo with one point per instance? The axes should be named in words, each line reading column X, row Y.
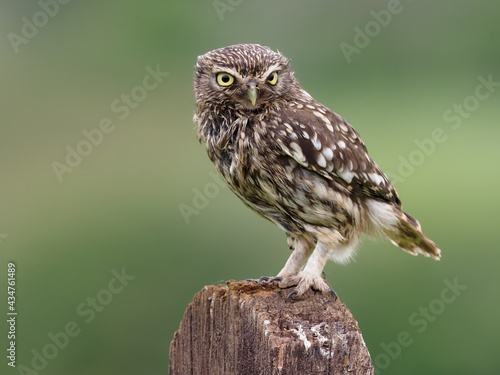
column 296, row 163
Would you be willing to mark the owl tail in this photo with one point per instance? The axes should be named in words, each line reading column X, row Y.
column 409, row 236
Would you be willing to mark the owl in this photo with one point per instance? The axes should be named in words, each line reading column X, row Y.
column 296, row 163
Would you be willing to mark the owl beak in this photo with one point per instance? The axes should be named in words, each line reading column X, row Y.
column 251, row 93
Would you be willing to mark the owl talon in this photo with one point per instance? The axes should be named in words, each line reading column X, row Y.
column 333, row 293
column 291, row 294
column 266, row 279
column 304, row 281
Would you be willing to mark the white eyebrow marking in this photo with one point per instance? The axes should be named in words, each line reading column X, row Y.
column 224, row 69
column 271, row 69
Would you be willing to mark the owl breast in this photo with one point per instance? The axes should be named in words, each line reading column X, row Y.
column 275, row 185
column 249, row 161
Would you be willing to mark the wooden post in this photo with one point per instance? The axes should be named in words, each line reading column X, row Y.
column 247, row 328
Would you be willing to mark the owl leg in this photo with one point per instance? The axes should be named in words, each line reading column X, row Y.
column 310, row 277
column 303, row 249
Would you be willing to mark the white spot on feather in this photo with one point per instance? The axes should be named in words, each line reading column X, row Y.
column 321, row 160
column 327, row 153
column 376, row 178
column 341, row 144
column 344, row 127
column 347, row 176
column 322, row 117
column 316, row 142
column 297, row 152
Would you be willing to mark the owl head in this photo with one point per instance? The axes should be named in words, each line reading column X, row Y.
column 245, row 77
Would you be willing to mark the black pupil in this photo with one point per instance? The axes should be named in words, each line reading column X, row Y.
column 271, row 77
column 225, row 78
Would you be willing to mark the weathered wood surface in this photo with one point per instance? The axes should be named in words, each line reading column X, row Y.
column 247, row 328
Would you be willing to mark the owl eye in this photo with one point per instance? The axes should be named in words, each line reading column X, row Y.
column 224, row 79
column 272, row 78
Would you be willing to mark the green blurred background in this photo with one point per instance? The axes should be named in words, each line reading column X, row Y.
column 120, row 207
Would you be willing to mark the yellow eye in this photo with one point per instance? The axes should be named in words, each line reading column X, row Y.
column 272, row 78
column 224, row 79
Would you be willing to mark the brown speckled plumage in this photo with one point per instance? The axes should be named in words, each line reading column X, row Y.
column 295, row 162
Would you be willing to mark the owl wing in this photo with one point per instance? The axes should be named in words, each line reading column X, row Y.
column 322, row 141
